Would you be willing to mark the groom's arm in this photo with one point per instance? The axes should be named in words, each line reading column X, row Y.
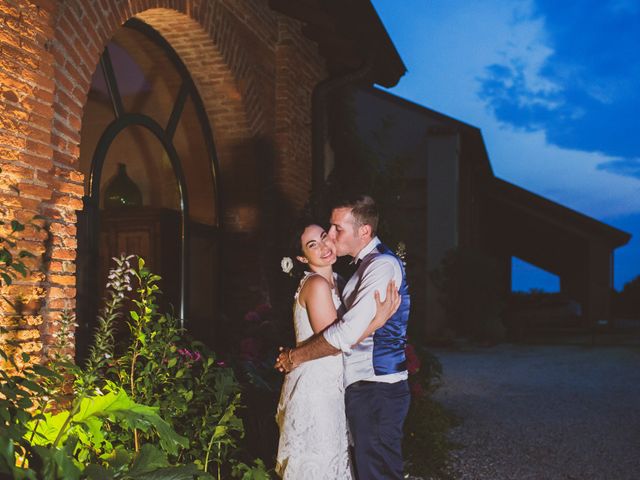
column 315, row 347
column 349, row 330
column 343, row 334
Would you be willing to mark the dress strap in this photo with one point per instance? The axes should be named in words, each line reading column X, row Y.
column 303, row 280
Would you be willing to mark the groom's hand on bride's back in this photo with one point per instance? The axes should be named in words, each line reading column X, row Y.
column 283, row 362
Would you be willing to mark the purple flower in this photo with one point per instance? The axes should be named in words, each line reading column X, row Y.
column 186, row 354
column 189, row 356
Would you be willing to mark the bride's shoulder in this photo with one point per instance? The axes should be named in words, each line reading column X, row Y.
column 312, row 285
column 316, row 281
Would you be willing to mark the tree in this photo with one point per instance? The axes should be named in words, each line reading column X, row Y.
column 628, row 300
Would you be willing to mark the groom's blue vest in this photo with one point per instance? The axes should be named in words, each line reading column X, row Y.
column 390, row 340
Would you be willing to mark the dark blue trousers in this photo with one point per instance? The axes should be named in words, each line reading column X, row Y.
column 376, row 413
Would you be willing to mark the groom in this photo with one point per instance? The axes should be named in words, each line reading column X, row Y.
column 377, row 392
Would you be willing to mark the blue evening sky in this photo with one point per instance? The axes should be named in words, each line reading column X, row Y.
column 553, row 85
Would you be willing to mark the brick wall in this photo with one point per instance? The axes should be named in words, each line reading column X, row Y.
column 254, row 71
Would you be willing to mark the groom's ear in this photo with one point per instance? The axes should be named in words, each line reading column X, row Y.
column 365, row 230
column 302, row 259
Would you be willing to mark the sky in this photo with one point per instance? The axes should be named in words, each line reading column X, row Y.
column 554, row 87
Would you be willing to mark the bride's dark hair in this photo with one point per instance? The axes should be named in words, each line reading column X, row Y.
column 294, row 247
column 297, row 229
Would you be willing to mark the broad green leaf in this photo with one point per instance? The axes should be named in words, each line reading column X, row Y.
column 94, row 427
column 46, row 430
column 7, row 455
column 118, row 458
column 221, row 429
column 57, row 464
column 116, row 405
column 149, row 458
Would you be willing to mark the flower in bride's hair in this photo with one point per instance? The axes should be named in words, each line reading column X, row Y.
column 287, row 265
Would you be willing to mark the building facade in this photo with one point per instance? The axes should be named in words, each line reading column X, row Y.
column 208, row 104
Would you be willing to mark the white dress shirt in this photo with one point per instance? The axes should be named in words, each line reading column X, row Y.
column 374, row 273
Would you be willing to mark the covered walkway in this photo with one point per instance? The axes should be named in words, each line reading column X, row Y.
column 573, row 246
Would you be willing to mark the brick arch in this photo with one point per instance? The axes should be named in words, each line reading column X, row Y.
column 202, row 34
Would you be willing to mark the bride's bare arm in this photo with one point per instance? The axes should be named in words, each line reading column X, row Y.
column 317, row 346
column 316, row 298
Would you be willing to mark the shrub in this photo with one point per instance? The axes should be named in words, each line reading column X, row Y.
column 471, row 294
column 161, row 408
column 627, row 302
column 425, row 446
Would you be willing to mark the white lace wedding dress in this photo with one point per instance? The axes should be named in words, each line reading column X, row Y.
column 313, row 426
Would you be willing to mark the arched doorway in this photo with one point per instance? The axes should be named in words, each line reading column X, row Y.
column 144, row 115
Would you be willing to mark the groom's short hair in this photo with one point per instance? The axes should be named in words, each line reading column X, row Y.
column 363, row 208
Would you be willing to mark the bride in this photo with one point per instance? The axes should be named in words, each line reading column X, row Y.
column 311, row 413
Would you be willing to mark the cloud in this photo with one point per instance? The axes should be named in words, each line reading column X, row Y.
column 572, row 178
column 553, row 87
column 575, row 79
column 555, row 120
column 628, row 166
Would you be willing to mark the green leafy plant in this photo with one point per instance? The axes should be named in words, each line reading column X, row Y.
column 161, row 408
column 425, row 445
column 162, row 367
column 41, row 441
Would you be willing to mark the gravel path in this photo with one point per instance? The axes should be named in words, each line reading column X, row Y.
column 544, row 412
